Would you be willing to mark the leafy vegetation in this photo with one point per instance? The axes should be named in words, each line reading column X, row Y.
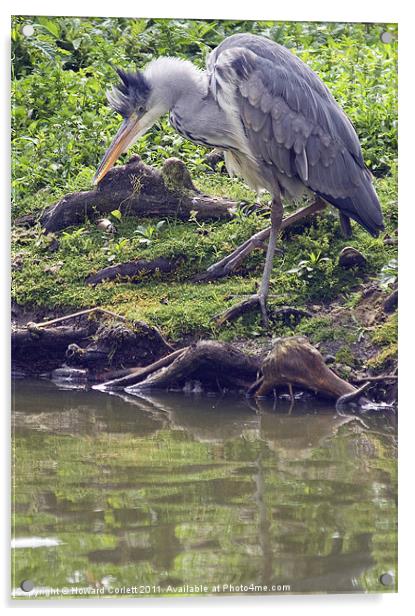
column 62, row 125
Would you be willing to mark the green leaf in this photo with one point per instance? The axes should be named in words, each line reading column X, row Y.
column 117, row 214
column 141, row 230
column 46, row 48
column 50, row 25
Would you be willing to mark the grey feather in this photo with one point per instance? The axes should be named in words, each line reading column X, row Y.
column 313, row 150
column 302, row 165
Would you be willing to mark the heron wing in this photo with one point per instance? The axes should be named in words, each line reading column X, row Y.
column 292, row 122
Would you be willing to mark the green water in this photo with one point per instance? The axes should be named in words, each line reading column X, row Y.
column 161, row 494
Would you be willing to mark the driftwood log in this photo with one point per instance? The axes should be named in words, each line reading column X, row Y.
column 139, row 190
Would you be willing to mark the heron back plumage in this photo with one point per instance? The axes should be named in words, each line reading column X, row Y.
column 293, row 125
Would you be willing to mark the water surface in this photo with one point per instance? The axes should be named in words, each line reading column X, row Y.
column 168, row 493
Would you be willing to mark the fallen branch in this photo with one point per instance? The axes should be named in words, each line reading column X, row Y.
column 139, row 190
column 132, row 269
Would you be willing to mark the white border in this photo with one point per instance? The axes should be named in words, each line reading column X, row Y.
column 300, row 10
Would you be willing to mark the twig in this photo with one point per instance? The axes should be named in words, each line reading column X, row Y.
column 374, row 379
column 79, row 314
column 138, row 374
column 350, row 397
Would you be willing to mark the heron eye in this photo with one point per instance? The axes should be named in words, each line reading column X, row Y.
column 140, row 109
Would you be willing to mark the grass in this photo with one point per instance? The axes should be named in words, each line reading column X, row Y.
column 56, row 279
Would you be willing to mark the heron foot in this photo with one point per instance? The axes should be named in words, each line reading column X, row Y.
column 254, row 301
column 286, row 313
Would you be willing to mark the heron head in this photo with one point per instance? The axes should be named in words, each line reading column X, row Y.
column 131, row 98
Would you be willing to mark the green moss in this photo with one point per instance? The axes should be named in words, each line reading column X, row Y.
column 387, row 333
column 57, row 279
column 345, row 356
column 384, row 357
column 323, row 329
column 385, row 336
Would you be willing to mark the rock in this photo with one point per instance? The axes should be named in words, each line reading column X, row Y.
column 330, row 359
column 106, row 225
column 391, row 302
column 53, row 269
column 351, row 257
column 54, row 244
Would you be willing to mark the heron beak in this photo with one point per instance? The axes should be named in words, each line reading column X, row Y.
column 125, row 137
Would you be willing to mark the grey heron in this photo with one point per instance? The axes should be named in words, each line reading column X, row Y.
column 280, row 128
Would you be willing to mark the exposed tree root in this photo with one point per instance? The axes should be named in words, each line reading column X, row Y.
column 137, row 358
column 215, row 364
column 292, row 362
column 237, row 310
column 295, row 361
column 74, row 315
column 377, row 379
column 348, row 398
column 284, row 312
column 36, row 350
column 88, row 343
column 231, row 262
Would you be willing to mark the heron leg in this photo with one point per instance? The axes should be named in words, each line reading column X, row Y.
column 276, row 220
column 229, row 264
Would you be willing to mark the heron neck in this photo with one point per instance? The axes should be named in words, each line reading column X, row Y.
column 172, row 79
